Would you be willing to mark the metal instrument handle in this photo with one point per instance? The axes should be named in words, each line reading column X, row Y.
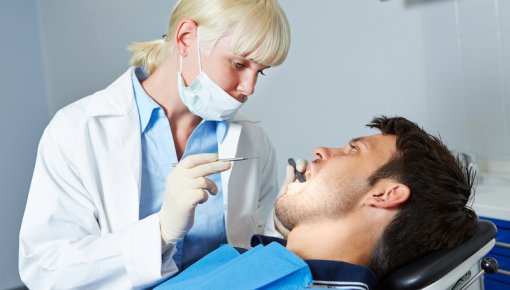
column 504, row 245
column 504, row 272
column 507, row 246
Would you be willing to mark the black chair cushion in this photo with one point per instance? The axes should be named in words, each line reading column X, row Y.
column 431, row 267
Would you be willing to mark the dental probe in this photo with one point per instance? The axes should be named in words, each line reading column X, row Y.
column 299, row 175
column 229, row 159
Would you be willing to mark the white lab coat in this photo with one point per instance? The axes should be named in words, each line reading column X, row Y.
column 81, row 227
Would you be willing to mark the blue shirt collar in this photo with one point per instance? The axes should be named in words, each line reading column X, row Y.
column 146, row 106
column 326, row 272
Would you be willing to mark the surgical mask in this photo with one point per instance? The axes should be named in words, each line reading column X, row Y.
column 205, row 98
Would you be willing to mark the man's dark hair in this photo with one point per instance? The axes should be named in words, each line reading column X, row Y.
column 436, row 215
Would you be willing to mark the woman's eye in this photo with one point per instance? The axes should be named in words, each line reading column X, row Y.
column 238, row 65
column 261, row 72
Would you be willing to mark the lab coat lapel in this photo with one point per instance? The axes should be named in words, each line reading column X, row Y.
column 128, row 182
column 116, row 108
column 226, row 149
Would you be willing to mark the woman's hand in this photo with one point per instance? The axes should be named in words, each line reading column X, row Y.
column 186, row 187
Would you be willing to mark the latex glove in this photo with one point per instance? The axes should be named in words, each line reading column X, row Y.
column 290, row 177
column 186, row 187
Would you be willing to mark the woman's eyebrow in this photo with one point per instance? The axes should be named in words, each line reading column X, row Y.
column 253, row 61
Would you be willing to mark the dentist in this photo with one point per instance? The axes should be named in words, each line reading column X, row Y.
column 106, row 209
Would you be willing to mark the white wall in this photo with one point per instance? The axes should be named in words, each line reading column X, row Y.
column 350, row 60
column 23, row 116
column 467, row 51
column 85, row 42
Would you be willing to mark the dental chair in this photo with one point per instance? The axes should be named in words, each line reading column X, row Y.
column 448, row 269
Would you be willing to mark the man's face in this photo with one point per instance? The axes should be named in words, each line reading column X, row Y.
column 336, row 181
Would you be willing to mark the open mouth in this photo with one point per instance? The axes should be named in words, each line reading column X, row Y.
column 308, row 171
column 307, row 175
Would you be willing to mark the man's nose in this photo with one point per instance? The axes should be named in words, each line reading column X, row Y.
column 322, row 153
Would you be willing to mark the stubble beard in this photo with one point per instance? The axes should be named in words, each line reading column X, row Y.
column 335, row 199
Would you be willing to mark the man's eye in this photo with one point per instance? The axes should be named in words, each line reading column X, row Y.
column 353, row 149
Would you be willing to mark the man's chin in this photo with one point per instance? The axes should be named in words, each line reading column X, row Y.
column 280, row 227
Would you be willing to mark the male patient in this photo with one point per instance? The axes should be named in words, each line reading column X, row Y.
column 365, row 209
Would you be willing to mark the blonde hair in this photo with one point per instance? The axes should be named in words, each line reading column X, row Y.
column 259, row 29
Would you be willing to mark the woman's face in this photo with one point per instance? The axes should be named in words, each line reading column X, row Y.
column 235, row 74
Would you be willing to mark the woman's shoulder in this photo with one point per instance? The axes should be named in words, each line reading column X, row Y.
column 252, row 130
column 248, row 123
column 243, row 117
column 116, row 99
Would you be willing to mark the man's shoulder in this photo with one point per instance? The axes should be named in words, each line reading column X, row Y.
column 261, row 267
column 329, row 273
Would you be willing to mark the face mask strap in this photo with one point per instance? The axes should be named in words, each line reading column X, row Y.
column 198, row 55
column 198, row 52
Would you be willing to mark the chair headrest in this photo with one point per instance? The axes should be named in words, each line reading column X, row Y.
column 432, row 266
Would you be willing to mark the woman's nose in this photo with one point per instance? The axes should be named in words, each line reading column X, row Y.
column 247, row 84
column 322, row 153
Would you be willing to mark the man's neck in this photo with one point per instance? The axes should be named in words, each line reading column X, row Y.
column 339, row 240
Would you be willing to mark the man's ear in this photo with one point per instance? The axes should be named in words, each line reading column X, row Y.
column 388, row 194
column 184, row 36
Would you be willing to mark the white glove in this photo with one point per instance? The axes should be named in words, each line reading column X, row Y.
column 290, row 177
column 185, row 188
